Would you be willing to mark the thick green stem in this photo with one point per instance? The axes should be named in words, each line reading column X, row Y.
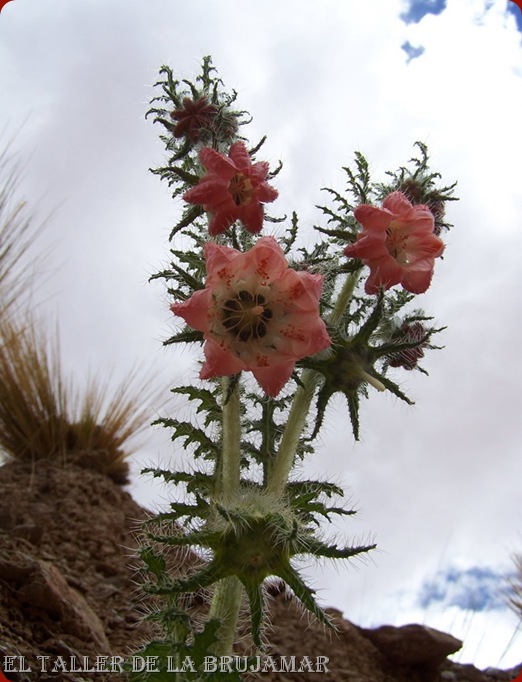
column 284, row 460
column 227, row 596
column 282, row 465
column 225, row 607
column 344, row 298
column 231, row 451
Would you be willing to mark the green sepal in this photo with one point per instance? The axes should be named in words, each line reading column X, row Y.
column 254, row 593
column 304, row 593
column 319, row 549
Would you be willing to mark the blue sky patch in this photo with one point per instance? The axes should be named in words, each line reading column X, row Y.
column 419, row 8
column 516, row 12
column 412, row 51
column 473, row 589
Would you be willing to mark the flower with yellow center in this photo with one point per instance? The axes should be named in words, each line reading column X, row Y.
column 256, row 314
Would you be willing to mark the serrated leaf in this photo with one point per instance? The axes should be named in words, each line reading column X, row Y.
column 154, row 561
column 190, row 435
column 188, row 335
column 318, row 548
column 207, row 400
column 190, row 216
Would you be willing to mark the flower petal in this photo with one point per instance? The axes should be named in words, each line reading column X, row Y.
column 210, row 191
column 251, row 215
column 397, row 203
column 195, row 310
column 384, row 272
column 266, row 193
column 217, row 257
column 241, row 158
column 369, row 245
column 219, row 362
column 222, row 219
column 268, row 259
column 273, row 378
column 418, row 279
column 373, row 218
column 259, row 171
column 217, row 163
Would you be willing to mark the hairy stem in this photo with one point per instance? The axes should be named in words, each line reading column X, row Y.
column 343, row 300
column 231, row 439
column 225, row 607
column 282, row 465
column 227, row 596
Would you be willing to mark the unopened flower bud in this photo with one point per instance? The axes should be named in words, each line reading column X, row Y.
column 408, row 357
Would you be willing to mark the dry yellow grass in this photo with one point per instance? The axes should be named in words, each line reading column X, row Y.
column 17, row 234
column 42, row 414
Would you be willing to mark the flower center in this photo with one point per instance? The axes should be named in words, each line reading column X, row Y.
column 246, row 316
column 241, row 189
column 396, row 243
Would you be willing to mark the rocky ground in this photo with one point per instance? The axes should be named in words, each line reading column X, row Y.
column 68, row 588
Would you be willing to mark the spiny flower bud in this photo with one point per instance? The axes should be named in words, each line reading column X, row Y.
column 192, row 117
column 408, row 357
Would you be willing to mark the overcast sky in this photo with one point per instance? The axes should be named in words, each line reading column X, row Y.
column 437, row 484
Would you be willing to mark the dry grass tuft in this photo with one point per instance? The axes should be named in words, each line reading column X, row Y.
column 17, row 235
column 42, row 415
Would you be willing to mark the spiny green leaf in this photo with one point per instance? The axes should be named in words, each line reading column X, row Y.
column 155, row 562
column 316, row 487
column 317, row 548
column 255, row 600
column 190, row 216
column 303, row 593
column 207, row 399
column 190, row 435
column 196, row 480
column 200, row 537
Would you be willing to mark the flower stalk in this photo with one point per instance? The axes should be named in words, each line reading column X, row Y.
column 225, row 608
column 231, row 439
column 284, row 460
column 343, row 300
column 226, row 600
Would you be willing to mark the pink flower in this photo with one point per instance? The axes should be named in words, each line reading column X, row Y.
column 233, row 189
column 256, row 314
column 398, row 244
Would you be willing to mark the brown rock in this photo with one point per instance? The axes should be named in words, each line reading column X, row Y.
column 47, row 589
column 411, row 645
column 15, row 566
column 30, row 532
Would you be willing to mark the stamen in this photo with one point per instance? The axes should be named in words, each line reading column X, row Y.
column 241, row 189
column 246, row 317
